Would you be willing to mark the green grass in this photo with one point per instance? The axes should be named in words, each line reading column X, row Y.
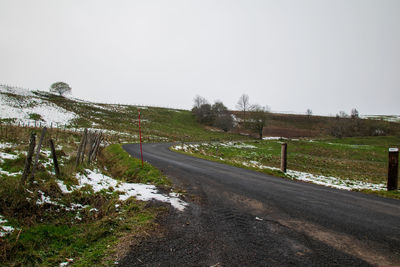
column 118, row 163
column 362, row 159
column 158, row 124
column 231, row 162
column 88, row 243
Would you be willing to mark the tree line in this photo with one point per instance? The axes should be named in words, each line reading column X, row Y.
column 253, row 116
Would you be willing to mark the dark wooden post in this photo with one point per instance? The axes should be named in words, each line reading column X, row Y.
column 85, row 142
column 81, row 146
column 53, row 154
column 284, row 157
column 28, row 161
column 39, row 146
column 393, row 169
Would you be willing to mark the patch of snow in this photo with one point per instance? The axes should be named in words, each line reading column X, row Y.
column 6, row 145
column 237, row 145
column 7, row 156
column 334, row 182
column 143, row 192
column 63, row 187
column 45, row 199
column 274, row 138
column 109, row 132
column 5, row 229
column 330, row 181
column 10, row 173
column 66, row 263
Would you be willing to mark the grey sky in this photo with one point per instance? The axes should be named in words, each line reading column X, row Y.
column 291, row 55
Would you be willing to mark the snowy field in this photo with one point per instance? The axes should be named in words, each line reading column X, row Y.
column 27, row 103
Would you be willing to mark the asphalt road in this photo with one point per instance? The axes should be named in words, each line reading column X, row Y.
column 239, row 217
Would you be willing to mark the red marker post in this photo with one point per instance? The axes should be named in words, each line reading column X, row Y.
column 140, row 138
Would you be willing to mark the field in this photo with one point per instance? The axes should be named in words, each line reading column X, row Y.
column 358, row 163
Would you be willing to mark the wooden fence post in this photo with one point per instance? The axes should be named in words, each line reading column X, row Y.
column 53, row 153
column 81, row 146
column 28, row 160
column 283, row 157
column 392, row 183
column 35, row 165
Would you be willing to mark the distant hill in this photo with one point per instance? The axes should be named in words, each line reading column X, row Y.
column 21, row 107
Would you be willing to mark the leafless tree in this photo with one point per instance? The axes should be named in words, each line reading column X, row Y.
column 342, row 114
column 354, row 114
column 199, row 101
column 309, row 112
column 243, row 105
column 259, row 116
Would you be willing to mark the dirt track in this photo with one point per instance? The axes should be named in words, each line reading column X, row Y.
column 239, row 217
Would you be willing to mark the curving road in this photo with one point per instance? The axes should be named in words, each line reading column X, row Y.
column 239, row 217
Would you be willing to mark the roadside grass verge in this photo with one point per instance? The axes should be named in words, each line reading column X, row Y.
column 118, row 163
column 382, row 193
column 49, row 226
column 359, row 159
column 235, row 163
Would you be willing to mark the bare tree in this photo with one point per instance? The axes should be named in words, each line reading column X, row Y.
column 259, row 116
column 342, row 114
column 354, row 114
column 243, row 105
column 309, row 112
column 199, row 101
column 60, row 88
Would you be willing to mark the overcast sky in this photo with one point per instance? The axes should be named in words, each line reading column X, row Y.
column 291, row 55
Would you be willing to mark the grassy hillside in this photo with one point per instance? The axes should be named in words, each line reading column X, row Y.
column 158, row 124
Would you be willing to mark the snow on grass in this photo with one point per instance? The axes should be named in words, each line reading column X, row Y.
column 45, row 200
column 237, row 145
column 6, row 145
column 390, row 118
column 16, row 90
column 345, row 184
column 7, row 156
column 3, row 172
column 5, row 229
column 274, row 138
column 108, row 132
column 27, row 103
column 196, row 147
column 143, row 192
